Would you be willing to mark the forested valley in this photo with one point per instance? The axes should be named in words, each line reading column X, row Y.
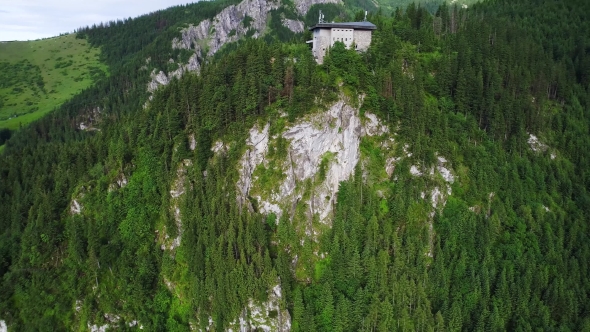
column 501, row 89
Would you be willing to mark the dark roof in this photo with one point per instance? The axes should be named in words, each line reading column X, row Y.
column 365, row 25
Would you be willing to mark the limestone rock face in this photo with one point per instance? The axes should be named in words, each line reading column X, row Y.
column 373, row 126
column 438, row 195
column 76, row 206
column 210, row 35
column 226, row 27
column 254, row 156
column 89, row 118
column 322, row 148
column 338, row 135
column 98, row 328
column 161, row 78
column 177, row 190
column 293, row 25
column 257, row 316
column 536, row 144
column 192, row 142
column 120, row 182
column 303, row 6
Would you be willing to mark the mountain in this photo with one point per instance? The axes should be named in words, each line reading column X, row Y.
column 220, row 179
column 38, row 76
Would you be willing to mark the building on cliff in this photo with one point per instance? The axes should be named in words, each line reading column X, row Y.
column 349, row 33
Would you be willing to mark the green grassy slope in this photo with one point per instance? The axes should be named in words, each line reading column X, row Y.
column 37, row 76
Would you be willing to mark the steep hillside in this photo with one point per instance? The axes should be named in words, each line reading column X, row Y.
column 438, row 181
column 41, row 75
column 38, row 76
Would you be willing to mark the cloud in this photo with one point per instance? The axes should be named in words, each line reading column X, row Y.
column 42, row 18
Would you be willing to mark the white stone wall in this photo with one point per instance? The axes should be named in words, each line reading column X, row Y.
column 321, row 43
column 316, row 43
column 342, row 35
column 362, row 39
column 325, row 38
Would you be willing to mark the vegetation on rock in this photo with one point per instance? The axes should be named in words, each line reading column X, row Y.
column 473, row 228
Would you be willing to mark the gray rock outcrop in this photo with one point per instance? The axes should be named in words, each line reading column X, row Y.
column 227, row 26
column 230, row 25
column 329, row 140
column 303, row 6
column 177, row 190
column 293, row 25
column 257, row 316
column 257, row 148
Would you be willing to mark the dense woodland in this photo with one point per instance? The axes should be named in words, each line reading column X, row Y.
column 470, row 84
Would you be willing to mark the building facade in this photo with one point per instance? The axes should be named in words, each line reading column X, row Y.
column 349, row 33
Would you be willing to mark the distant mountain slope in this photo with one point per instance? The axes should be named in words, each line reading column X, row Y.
column 41, row 75
column 38, row 76
column 66, row 65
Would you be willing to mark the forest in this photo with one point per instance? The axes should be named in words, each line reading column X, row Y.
column 510, row 250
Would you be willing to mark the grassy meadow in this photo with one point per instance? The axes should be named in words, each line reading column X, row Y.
column 38, row 76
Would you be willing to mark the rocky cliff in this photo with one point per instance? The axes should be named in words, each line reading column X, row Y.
column 320, row 151
column 327, row 140
column 248, row 18
column 293, row 169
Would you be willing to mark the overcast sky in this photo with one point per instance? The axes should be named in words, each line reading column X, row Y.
column 34, row 19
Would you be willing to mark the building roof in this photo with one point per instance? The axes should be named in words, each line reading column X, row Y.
column 365, row 25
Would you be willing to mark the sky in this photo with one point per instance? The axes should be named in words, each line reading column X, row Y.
column 35, row 19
